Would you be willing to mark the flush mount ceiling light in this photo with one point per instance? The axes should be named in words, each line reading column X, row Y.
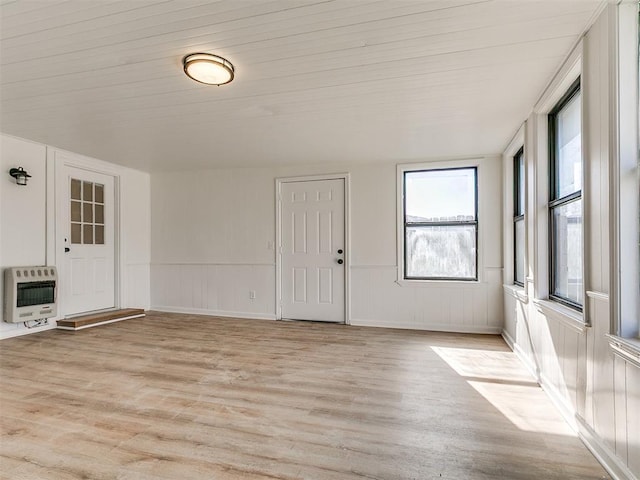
column 207, row 68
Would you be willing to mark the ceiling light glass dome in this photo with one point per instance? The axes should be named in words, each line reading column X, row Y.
column 208, row 69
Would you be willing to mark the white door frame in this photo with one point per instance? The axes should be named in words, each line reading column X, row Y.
column 58, row 160
column 347, row 238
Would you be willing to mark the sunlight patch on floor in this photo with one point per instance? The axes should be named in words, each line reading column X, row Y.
column 504, row 382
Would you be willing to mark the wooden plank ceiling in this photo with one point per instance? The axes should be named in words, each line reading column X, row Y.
column 317, row 81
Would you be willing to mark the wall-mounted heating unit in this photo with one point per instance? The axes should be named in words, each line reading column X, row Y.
column 30, row 293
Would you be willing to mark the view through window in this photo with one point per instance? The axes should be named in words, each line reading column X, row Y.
column 441, row 224
column 565, row 205
column 518, row 218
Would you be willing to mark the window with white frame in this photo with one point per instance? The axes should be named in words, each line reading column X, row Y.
column 626, row 175
column 518, row 218
column 440, row 219
column 565, row 202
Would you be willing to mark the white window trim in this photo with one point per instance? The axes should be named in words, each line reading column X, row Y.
column 518, row 141
column 623, row 131
column 517, row 292
column 626, row 348
column 436, row 165
column 570, row 317
column 539, row 149
column 568, row 73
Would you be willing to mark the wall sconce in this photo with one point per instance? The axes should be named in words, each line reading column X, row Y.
column 20, row 174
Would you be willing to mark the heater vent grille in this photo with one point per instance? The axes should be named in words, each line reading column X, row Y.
column 30, row 293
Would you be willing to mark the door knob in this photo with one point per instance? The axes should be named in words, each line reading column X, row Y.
column 67, row 249
column 340, row 251
column 340, row 261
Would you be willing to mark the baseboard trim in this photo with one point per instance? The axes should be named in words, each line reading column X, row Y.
column 508, row 339
column 28, row 331
column 603, row 454
column 530, row 366
column 556, row 398
column 484, row 329
column 214, row 313
column 354, row 322
column 568, row 413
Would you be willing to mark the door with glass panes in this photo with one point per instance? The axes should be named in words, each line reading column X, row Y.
column 88, row 283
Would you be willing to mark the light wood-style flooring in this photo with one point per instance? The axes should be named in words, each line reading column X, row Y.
column 186, row 397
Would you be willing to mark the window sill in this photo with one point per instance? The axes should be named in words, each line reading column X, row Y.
column 431, row 283
column 565, row 315
column 626, row 348
column 517, row 292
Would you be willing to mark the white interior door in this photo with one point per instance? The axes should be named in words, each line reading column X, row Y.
column 313, row 250
column 87, row 213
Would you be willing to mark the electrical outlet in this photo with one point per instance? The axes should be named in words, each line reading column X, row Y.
column 252, row 294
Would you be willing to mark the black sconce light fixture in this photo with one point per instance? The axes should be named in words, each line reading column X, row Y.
column 20, row 174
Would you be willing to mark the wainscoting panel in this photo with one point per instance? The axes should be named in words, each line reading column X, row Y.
column 632, row 413
column 378, row 300
column 600, row 373
column 626, row 380
column 620, row 405
column 214, row 289
column 556, row 345
column 376, row 297
column 135, row 289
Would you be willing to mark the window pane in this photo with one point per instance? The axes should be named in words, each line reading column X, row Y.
column 519, row 251
column 75, row 189
column 99, row 193
column 87, row 212
column 87, row 234
column 441, row 251
column 99, row 236
column 518, row 207
column 87, row 191
column 99, row 213
column 76, row 235
column 567, row 251
column 440, row 195
column 75, row 212
column 568, row 148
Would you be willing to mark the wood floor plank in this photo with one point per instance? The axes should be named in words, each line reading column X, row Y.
column 178, row 396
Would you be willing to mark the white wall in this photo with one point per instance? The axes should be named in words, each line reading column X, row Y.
column 22, row 212
column 27, row 221
column 135, row 238
column 596, row 387
column 211, row 232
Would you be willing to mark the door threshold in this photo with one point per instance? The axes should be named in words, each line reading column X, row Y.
column 331, row 322
column 97, row 319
